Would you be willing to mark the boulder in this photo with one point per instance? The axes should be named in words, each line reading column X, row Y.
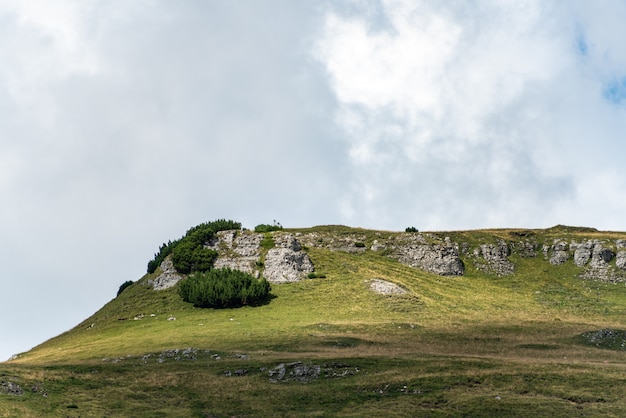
column 384, row 287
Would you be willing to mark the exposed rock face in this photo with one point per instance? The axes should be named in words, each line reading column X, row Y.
column 560, row 252
column 441, row 257
column 286, row 263
column 237, row 250
column 620, row 260
column 168, row 277
column 494, row 258
column 582, row 252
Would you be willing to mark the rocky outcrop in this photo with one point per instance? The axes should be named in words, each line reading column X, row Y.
column 559, row 252
column 168, row 277
column 597, row 257
column 493, row 258
column 435, row 256
column 286, row 262
column 237, row 250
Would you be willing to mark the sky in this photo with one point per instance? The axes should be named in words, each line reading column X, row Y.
column 123, row 124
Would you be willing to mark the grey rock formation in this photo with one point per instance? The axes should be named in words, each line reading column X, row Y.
column 441, row 259
column 582, row 252
column 284, row 265
column 295, row 371
column 601, row 257
column 237, row 250
column 560, row 253
column 620, row 260
column 168, row 277
column 493, row 258
column 526, row 248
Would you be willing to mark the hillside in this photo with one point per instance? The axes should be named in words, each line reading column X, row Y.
column 505, row 322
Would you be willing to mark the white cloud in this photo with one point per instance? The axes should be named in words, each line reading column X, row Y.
column 451, row 104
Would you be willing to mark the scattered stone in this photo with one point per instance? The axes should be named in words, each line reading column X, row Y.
column 10, row 388
column 305, row 373
column 613, row 339
column 171, row 318
column 495, row 258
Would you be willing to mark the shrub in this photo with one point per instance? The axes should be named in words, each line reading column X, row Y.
column 359, row 244
column 223, row 288
column 316, row 276
column 276, row 226
column 164, row 251
column 123, row 286
column 188, row 253
column 411, row 229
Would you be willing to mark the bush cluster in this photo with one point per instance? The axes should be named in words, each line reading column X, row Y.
column 123, row 286
column 188, row 253
column 223, row 288
column 411, row 229
column 276, row 226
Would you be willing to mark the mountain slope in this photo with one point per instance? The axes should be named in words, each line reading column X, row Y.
column 499, row 333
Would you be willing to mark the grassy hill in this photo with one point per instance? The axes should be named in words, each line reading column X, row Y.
column 542, row 341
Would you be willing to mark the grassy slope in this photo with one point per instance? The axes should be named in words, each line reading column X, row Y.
column 475, row 345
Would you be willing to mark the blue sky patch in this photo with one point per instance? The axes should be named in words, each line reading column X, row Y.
column 615, row 91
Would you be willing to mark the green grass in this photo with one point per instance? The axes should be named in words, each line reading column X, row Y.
column 476, row 345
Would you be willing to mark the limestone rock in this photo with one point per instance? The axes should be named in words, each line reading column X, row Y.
column 384, row 287
column 11, row 388
column 168, row 277
column 236, row 250
column 560, row 253
column 620, row 260
column 494, row 258
column 582, row 252
column 284, row 265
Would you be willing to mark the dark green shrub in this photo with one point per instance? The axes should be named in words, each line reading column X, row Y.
column 123, row 286
column 359, row 244
column 188, row 253
column 164, row 251
column 223, row 288
column 316, row 276
column 411, row 229
column 276, row 226
column 190, row 256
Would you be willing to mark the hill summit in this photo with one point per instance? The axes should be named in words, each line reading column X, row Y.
column 357, row 323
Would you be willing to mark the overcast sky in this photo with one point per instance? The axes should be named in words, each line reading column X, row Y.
column 122, row 124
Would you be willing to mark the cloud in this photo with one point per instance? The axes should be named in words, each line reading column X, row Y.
column 473, row 116
column 125, row 124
